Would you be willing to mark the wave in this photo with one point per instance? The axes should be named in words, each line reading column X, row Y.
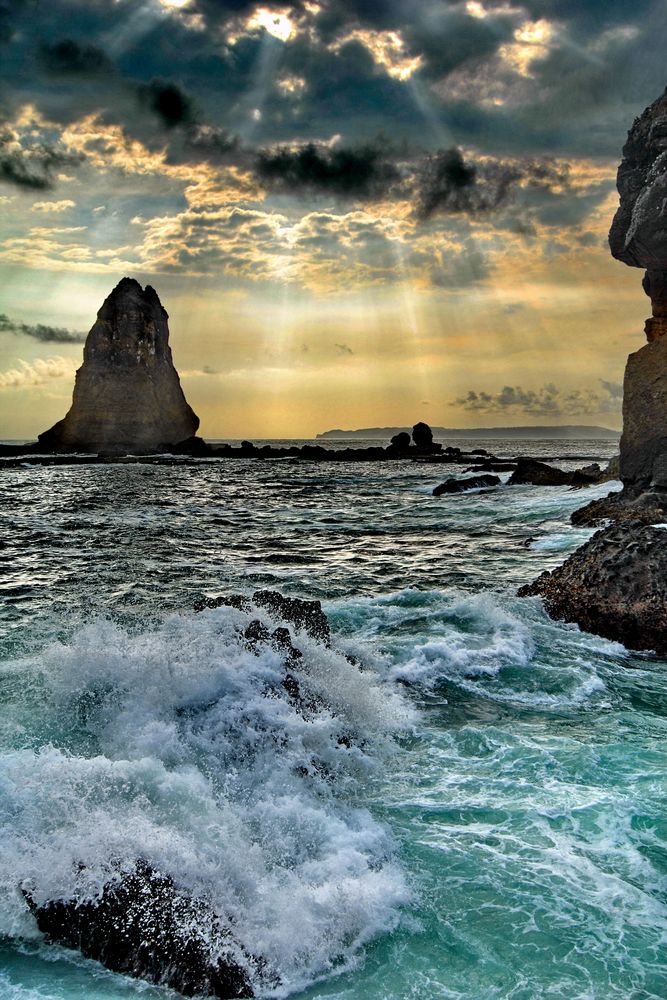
column 501, row 648
column 179, row 746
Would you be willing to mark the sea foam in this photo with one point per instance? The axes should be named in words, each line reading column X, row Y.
column 179, row 746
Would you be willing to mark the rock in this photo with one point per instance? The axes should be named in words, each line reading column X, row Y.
column 493, row 467
column 529, row 470
column 463, row 485
column 587, row 475
column 615, row 586
column 422, row 435
column 127, row 394
column 638, row 234
column 143, row 925
column 643, row 462
column 305, row 616
column 624, row 506
column 401, row 442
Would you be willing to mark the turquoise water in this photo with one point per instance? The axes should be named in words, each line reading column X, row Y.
column 493, row 826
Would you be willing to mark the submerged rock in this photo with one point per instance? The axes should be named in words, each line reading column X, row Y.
column 127, row 395
column 463, row 485
column 615, row 585
column 143, row 925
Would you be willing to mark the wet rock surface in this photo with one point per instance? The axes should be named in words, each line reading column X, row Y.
column 142, row 925
column 615, row 586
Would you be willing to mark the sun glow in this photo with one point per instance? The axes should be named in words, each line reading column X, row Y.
column 277, row 23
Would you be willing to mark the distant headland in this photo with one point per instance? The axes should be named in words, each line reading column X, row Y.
column 536, row 432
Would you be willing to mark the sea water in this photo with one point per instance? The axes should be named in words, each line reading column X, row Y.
column 475, row 810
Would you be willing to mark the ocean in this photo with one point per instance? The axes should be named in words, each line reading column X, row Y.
column 492, row 827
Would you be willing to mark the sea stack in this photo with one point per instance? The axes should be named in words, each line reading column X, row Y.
column 616, row 584
column 127, row 395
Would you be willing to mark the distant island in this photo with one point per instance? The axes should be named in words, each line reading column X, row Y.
column 573, row 431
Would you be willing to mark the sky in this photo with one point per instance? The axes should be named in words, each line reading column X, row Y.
column 356, row 212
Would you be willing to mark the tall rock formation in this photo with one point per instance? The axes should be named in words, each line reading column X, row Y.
column 638, row 237
column 616, row 584
column 127, row 395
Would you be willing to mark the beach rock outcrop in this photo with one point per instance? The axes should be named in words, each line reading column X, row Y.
column 463, row 485
column 127, row 395
column 143, row 925
column 615, row 585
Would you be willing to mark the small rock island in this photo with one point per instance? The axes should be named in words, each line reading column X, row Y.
column 127, row 395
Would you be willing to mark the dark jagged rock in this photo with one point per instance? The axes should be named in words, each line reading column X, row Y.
column 615, row 585
column 307, row 616
column 638, row 235
column 463, row 485
column 238, row 601
column 143, row 925
column 530, row 471
column 127, row 394
column 622, row 507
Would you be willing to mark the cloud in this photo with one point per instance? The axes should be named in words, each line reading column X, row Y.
column 38, row 372
column 168, row 102
column 33, row 165
column 38, row 331
column 71, row 58
column 362, row 172
column 548, row 401
column 52, row 206
column 448, row 183
column 211, row 142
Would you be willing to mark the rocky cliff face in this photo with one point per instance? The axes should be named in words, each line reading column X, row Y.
column 127, row 394
column 638, row 237
column 616, row 584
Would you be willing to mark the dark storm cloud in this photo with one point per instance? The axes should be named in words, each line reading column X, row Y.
column 69, row 57
column 9, row 10
column 549, row 401
column 363, row 172
column 212, row 143
column 168, row 101
column 46, row 334
column 32, row 167
column 450, row 184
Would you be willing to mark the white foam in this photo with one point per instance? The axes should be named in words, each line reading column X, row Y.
column 180, row 746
